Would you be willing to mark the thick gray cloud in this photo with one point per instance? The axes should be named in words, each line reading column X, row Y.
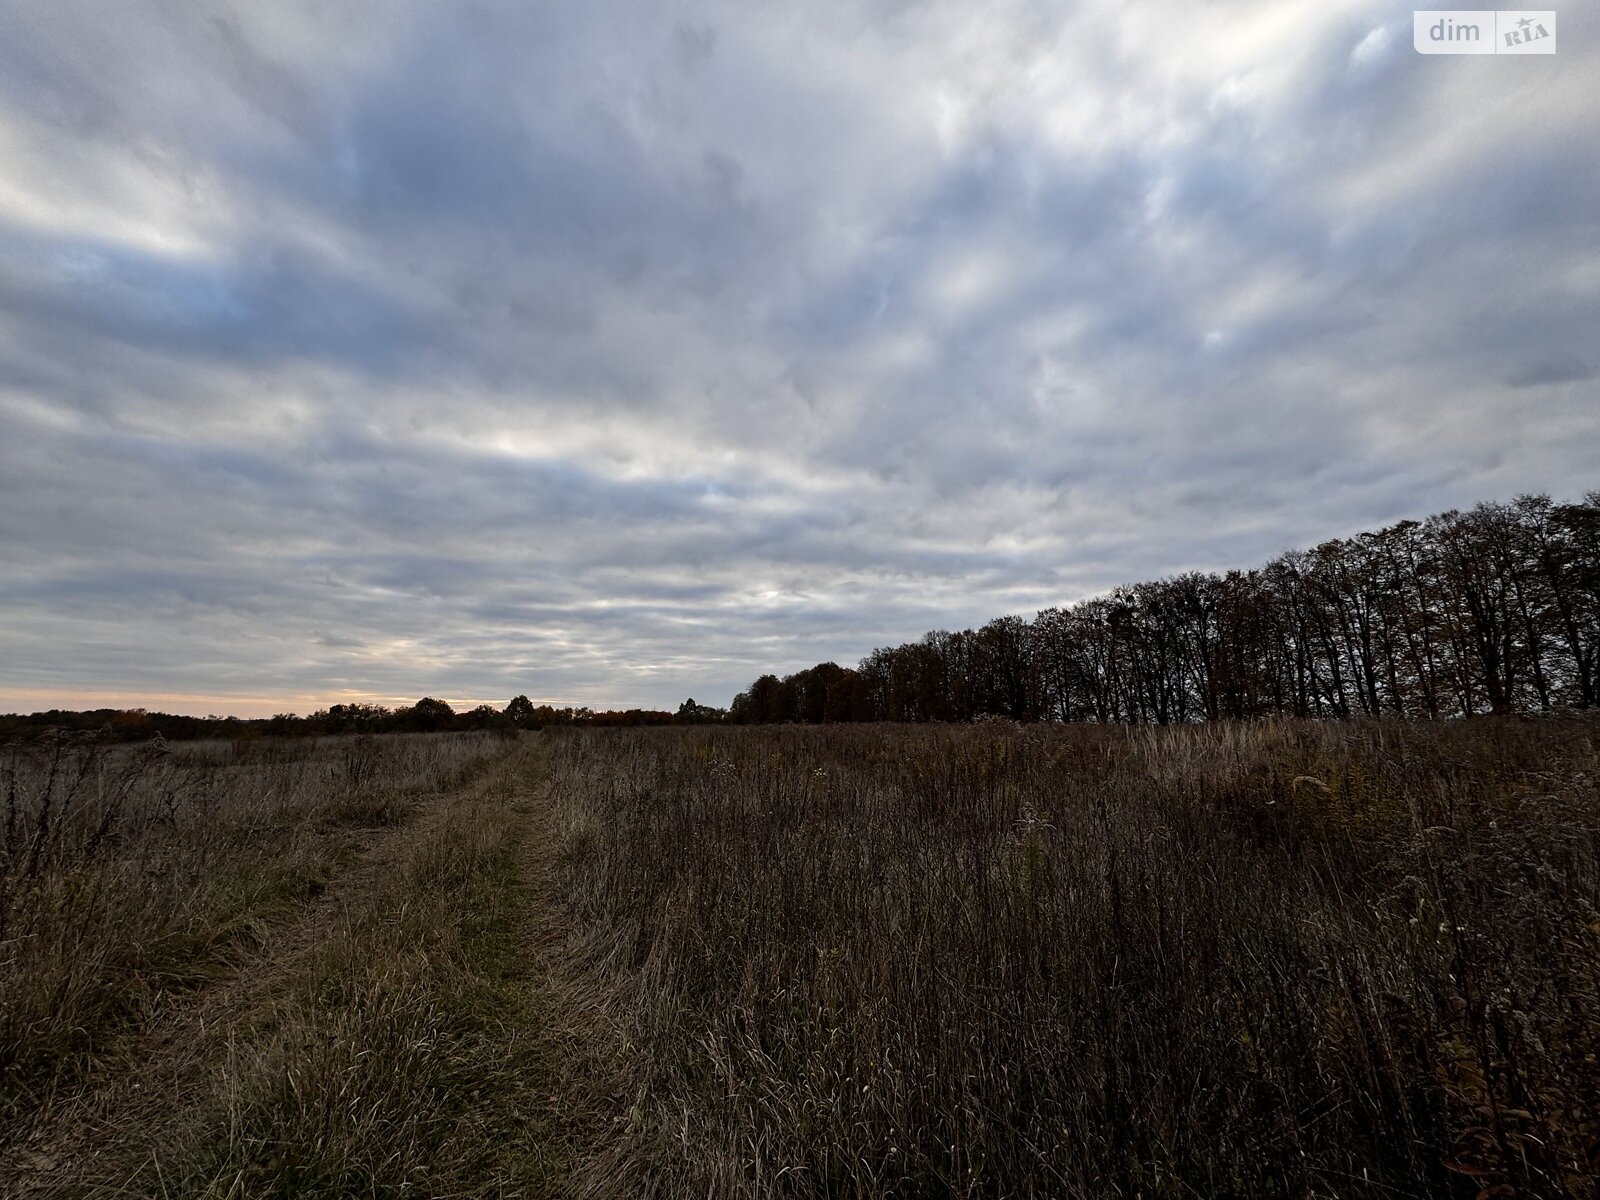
column 616, row 353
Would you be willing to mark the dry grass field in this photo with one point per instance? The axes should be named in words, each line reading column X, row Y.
column 298, row 968
column 134, row 873
column 1234, row 960
column 1280, row 959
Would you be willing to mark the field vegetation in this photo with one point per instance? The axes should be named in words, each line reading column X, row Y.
column 1277, row 958
column 1273, row 959
column 132, row 874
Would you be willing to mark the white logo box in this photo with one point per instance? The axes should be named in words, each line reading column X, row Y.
column 1484, row 31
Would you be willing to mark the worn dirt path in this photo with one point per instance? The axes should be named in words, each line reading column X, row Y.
column 576, row 1099
column 159, row 1086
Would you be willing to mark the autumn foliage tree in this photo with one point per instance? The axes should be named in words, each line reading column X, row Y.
column 1492, row 610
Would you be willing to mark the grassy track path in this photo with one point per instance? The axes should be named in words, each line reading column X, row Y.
column 418, row 1030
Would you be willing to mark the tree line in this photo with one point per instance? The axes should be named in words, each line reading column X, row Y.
column 427, row 715
column 1492, row 610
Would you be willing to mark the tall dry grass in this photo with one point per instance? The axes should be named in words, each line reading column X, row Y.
column 129, row 874
column 383, row 1066
column 1264, row 960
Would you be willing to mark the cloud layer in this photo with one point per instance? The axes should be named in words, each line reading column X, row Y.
column 614, row 353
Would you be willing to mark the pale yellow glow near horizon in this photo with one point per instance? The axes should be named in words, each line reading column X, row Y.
column 200, row 704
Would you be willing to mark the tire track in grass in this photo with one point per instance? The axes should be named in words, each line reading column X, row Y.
column 576, row 1098
column 145, row 1075
column 425, row 1032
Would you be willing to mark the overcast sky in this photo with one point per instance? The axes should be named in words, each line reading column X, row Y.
column 615, row 353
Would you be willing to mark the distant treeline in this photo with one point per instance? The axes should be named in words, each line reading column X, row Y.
column 1496, row 610
column 426, row 715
